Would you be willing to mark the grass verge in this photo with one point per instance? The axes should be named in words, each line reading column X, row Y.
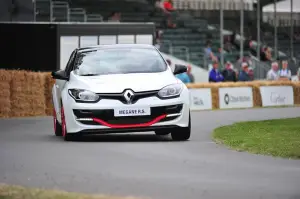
column 18, row 192
column 278, row 138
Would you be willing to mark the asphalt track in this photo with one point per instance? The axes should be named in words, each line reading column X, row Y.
column 144, row 165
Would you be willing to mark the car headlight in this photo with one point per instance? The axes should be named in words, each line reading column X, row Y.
column 81, row 95
column 170, row 91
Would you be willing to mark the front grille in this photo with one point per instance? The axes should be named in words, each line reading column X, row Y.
column 107, row 115
column 120, row 96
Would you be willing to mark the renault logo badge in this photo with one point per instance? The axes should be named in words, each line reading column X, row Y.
column 128, row 95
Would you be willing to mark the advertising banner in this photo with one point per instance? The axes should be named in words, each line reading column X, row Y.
column 277, row 95
column 239, row 97
column 201, row 99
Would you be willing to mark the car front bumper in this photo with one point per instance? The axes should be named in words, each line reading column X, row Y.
column 96, row 118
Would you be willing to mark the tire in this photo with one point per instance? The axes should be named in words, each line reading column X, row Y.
column 67, row 136
column 57, row 126
column 182, row 133
column 162, row 132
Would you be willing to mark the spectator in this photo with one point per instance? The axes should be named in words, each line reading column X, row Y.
column 240, row 60
column 243, row 75
column 233, row 39
column 268, row 54
column 209, row 55
column 214, row 74
column 218, row 56
column 158, row 34
column 191, row 76
column 273, row 72
column 298, row 74
column 252, row 48
column 115, row 17
column 251, row 73
column 237, row 62
column 250, row 62
column 228, row 73
column 236, row 73
column 184, row 78
column 160, row 6
column 168, row 6
column 227, row 44
column 285, row 72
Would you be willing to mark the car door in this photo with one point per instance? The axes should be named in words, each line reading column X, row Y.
column 60, row 84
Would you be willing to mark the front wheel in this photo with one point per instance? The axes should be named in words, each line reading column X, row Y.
column 182, row 133
column 57, row 126
column 67, row 136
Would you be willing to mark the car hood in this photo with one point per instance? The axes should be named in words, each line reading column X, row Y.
column 118, row 82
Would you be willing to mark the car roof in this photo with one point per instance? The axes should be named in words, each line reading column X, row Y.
column 116, row 46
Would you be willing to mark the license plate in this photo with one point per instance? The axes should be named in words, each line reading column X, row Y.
column 131, row 112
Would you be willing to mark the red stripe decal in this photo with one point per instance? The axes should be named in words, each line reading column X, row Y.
column 129, row 125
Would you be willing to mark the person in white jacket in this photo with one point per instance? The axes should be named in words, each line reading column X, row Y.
column 273, row 72
column 285, row 72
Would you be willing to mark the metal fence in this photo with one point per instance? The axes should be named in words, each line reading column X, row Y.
column 60, row 11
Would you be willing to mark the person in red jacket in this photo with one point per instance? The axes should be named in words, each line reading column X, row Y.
column 168, row 5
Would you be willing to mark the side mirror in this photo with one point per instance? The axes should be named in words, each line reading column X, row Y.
column 60, row 75
column 179, row 69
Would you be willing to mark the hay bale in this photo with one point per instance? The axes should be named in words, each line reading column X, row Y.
column 276, row 83
column 19, row 91
column 5, row 103
column 215, row 97
column 199, row 85
column 48, row 93
column 36, row 99
column 214, row 93
column 257, row 101
column 190, row 85
column 296, row 88
column 27, row 94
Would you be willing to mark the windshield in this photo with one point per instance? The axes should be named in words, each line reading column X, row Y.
column 119, row 61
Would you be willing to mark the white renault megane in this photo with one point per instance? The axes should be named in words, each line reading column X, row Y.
column 120, row 88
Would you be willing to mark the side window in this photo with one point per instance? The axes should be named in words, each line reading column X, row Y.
column 68, row 68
